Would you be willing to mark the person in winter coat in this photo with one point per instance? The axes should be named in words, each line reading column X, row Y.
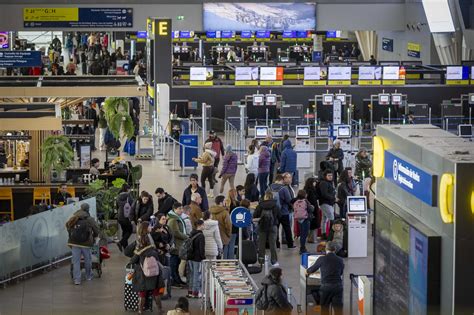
column 312, row 196
column 165, row 201
column 140, row 282
column 207, row 161
column 336, row 156
column 267, row 216
column 303, row 211
column 229, row 168
column 363, row 164
column 221, row 215
column 345, row 188
column 231, row 203
column 251, row 190
column 124, row 200
column 327, row 199
column 163, row 238
column 143, row 208
column 251, row 164
column 284, row 198
column 263, row 168
column 216, row 145
column 178, row 230
column 289, row 159
column 181, row 308
column 276, row 293
column 197, row 257
column 195, row 213
column 82, row 230
column 194, row 188
column 212, row 237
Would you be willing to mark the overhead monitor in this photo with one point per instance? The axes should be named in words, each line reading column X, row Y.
column 396, row 99
column 289, row 34
column 140, row 34
column 201, row 73
column 438, row 16
column 471, row 99
column 302, row 131
column 328, row 99
column 343, row 131
column 370, row 73
column 4, row 42
column 186, row 34
column 227, row 34
column 342, row 98
column 457, row 73
column 262, row 34
column 211, row 34
column 246, row 34
column 258, row 99
column 465, row 131
column 391, row 73
column 277, row 132
column 356, row 205
column 270, row 99
column 273, row 16
column 339, row 73
column 333, row 34
column 301, row 34
column 384, row 99
column 315, row 73
column 261, row 132
column 246, row 73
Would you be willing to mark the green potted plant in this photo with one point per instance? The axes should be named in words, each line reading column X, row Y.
column 117, row 115
column 57, row 154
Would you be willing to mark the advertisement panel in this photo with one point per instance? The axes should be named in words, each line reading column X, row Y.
column 271, row 73
column 413, row 50
column 370, row 73
column 201, row 74
column 391, row 73
column 246, row 73
column 339, row 73
column 259, row 16
column 4, row 44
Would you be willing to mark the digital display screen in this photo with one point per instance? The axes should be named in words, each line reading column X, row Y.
column 211, row 34
column 339, row 73
column 270, row 99
column 262, row 34
column 175, row 34
column 384, row 99
column 141, row 34
column 457, row 73
column 370, row 73
column 288, row 34
column 333, row 34
column 391, row 73
column 186, row 34
column 261, row 132
column 258, row 99
column 301, row 34
column 246, row 34
column 465, row 131
column 343, row 131
column 227, row 34
column 246, row 73
column 176, row 49
column 356, row 204
column 328, row 99
column 471, row 98
column 396, row 99
column 302, row 131
column 342, row 98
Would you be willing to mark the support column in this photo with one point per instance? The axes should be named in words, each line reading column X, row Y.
column 35, row 159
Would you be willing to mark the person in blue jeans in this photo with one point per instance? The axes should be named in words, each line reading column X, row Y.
column 264, row 161
column 82, row 230
column 303, row 211
column 197, row 257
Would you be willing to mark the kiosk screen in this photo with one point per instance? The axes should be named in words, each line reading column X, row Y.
column 356, row 205
column 261, row 132
column 465, row 131
column 302, row 131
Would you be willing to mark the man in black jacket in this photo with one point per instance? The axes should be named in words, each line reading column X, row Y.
column 197, row 257
column 165, row 201
column 327, row 199
column 195, row 188
column 331, row 290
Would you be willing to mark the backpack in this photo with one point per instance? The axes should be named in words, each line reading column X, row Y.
column 266, row 220
column 301, row 209
column 187, row 249
column 261, row 298
column 127, row 209
column 150, row 267
column 276, row 195
column 80, row 231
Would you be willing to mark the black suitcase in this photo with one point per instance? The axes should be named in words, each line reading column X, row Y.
column 250, row 256
column 130, row 297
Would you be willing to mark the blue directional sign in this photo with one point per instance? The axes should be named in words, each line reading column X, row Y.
column 410, row 178
column 241, row 217
column 20, row 58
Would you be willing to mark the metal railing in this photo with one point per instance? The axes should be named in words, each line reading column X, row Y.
column 235, row 137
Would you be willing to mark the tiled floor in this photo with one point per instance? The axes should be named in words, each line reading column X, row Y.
column 52, row 292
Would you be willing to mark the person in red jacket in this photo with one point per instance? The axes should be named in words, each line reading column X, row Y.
column 218, row 147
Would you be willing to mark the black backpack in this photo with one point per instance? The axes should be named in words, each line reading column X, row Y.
column 261, row 298
column 266, row 221
column 187, row 249
column 80, row 232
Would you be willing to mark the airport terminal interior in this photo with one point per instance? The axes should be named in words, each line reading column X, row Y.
column 236, row 157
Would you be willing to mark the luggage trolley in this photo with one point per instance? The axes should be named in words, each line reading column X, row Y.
column 96, row 260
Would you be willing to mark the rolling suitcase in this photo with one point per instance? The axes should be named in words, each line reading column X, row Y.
column 130, row 297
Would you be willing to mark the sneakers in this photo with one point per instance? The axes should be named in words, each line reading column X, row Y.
column 90, row 278
column 77, row 283
column 276, row 264
column 210, row 195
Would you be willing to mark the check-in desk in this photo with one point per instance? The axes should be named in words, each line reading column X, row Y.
column 311, row 283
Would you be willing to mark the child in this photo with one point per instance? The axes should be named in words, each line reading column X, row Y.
column 339, row 237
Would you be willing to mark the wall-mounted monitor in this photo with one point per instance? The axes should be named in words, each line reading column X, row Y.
column 186, row 34
column 315, row 73
column 302, row 34
column 201, row 74
column 438, row 16
column 465, row 131
column 271, row 73
column 356, row 205
column 211, row 34
column 262, row 34
column 384, row 99
column 343, row 131
column 246, row 73
column 261, row 132
column 141, row 34
column 397, row 99
column 237, row 16
column 457, row 73
column 258, row 99
column 289, row 34
column 391, row 73
column 370, row 73
column 302, row 132
column 246, row 34
column 270, row 99
column 342, row 98
column 333, row 34
column 339, row 73
column 328, row 99
column 227, row 34
column 4, row 42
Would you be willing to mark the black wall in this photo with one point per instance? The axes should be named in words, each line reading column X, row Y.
column 219, row 96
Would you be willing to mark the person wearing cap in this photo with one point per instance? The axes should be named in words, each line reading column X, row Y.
column 229, row 168
column 207, row 160
column 217, row 146
column 82, row 230
column 332, row 269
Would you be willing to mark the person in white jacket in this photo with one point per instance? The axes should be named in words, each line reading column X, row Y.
column 212, row 237
column 251, row 164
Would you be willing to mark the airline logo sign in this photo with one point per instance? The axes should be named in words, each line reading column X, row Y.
column 410, row 178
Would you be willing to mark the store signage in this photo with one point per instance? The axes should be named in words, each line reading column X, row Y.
column 271, row 76
column 410, row 178
column 339, row 76
column 246, row 76
column 370, row 75
column 413, row 50
column 19, row 58
column 77, row 17
column 387, row 44
column 201, row 76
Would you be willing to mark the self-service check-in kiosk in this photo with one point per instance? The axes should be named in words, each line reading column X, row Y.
column 303, row 146
column 343, row 133
column 261, row 132
column 357, row 226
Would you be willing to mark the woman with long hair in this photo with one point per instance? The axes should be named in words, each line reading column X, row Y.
column 310, row 187
column 343, row 191
column 143, row 208
column 251, row 190
column 231, row 203
column 251, row 164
